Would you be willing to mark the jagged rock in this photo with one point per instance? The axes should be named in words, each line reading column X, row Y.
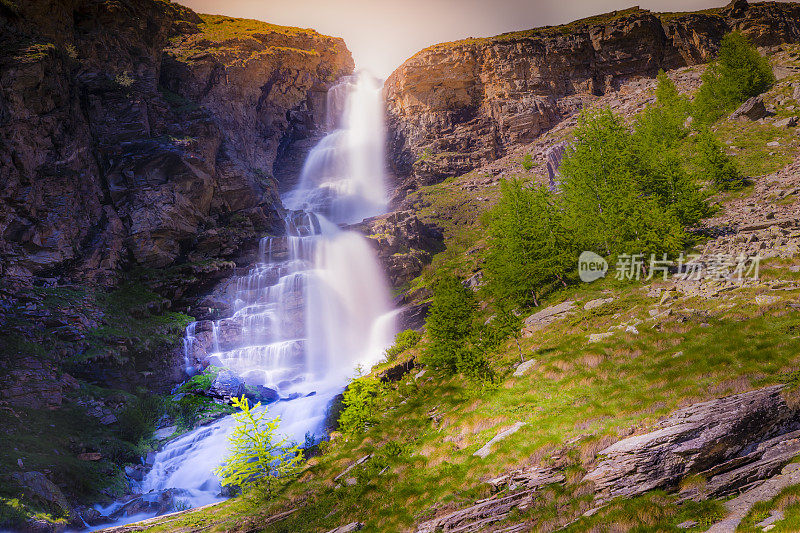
column 752, row 109
column 553, row 156
column 594, row 304
column 348, row 528
column 397, row 371
column 731, row 442
column 403, row 243
column 133, row 145
column 788, row 122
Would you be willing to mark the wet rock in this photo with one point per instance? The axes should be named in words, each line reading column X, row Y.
column 260, row 393
column 397, row 371
column 227, row 385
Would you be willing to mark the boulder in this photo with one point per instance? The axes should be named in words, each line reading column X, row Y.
column 548, row 316
column 731, row 442
column 260, row 393
column 752, row 109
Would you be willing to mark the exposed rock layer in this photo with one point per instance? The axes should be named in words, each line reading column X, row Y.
column 455, row 106
column 141, row 133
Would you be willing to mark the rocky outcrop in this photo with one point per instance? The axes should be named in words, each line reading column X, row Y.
column 404, row 244
column 455, row 106
column 140, row 133
column 731, row 443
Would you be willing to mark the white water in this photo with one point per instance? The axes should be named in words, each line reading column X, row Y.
column 313, row 309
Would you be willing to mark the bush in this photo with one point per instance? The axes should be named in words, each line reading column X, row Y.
column 403, row 341
column 529, row 245
column 255, row 458
column 617, row 197
column 527, row 162
column 715, row 165
column 738, row 73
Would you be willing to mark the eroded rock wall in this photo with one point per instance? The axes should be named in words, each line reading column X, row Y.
column 456, row 106
column 140, row 133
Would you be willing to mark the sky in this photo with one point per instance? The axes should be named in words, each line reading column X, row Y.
column 382, row 34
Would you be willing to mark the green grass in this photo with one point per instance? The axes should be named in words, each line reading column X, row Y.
column 748, row 144
column 788, row 502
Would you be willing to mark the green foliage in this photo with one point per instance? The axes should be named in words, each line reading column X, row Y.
column 617, row 195
column 359, row 413
column 403, row 341
column 256, row 459
column 200, row 382
column 455, row 343
column 738, row 73
column 527, row 162
column 529, row 243
column 714, row 164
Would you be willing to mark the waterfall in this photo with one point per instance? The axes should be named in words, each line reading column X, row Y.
column 313, row 308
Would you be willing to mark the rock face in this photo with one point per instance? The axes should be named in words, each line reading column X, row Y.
column 138, row 132
column 730, row 442
column 455, row 106
column 404, row 244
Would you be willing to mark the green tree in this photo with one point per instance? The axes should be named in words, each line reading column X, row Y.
column 255, row 458
column 529, row 247
column 738, row 73
column 614, row 201
column 715, row 165
column 359, row 401
column 453, row 340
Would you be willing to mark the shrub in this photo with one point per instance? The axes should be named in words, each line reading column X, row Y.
column 738, row 73
column 255, row 458
column 616, row 197
column 124, row 80
column 403, row 341
column 715, row 165
column 359, row 401
column 527, row 162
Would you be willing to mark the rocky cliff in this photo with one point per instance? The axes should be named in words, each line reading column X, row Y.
column 455, row 106
column 138, row 133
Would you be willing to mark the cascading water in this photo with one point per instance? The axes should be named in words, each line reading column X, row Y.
column 313, row 309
